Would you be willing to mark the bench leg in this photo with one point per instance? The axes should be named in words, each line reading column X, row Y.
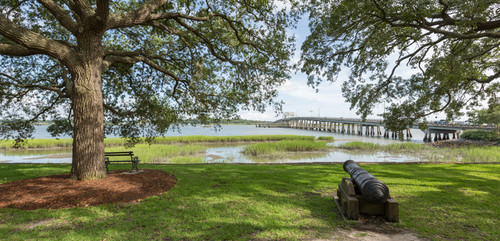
column 134, row 164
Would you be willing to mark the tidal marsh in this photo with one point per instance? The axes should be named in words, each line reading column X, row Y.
column 430, row 153
column 286, row 146
column 66, row 143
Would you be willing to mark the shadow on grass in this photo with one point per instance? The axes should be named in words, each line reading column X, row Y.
column 274, row 202
column 208, row 202
column 454, row 201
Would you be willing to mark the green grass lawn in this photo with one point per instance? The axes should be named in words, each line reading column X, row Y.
column 229, row 202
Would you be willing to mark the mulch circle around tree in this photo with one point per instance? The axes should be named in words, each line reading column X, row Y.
column 59, row 191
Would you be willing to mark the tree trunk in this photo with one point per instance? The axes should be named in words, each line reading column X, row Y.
column 88, row 136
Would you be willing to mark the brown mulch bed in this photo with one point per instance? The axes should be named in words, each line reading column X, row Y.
column 59, row 191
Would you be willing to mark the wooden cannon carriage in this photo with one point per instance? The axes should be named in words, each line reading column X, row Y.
column 364, row 194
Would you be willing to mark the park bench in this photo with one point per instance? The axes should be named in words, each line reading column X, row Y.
column 133, row 159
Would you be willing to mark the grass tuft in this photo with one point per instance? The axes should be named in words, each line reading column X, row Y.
column 285, row 146
column 325, row 138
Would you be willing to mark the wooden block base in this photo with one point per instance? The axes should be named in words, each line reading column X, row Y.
column 353, row 203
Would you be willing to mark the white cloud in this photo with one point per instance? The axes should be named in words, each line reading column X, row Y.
column 255, row 115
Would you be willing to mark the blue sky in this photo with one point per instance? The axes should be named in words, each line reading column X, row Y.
column 328, row 102
column 303, row 100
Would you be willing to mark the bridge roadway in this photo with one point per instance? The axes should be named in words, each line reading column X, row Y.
column 371, row 127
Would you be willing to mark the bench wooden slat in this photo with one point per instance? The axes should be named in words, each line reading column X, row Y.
column 119, row 153
column 133, row 159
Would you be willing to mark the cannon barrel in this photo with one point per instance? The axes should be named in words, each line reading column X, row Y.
column 372, row 189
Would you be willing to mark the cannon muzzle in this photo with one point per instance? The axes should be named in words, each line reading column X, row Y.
column 372, row 189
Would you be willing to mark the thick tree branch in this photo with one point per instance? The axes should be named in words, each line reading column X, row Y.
column 122, row 21
column 60, row 14
column 81, row 8
column 102, row 14
column 145, row 14
column 488, row 25
column 139, row 16
column 16, row 50
column 34, row 41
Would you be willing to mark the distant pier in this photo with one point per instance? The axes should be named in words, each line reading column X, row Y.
column 371, row 127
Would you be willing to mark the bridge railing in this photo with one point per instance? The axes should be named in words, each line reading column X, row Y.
column 380, row 121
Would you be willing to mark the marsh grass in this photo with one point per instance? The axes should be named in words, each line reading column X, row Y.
column 393, row 147
column 58, row 143
column 432, row 154
column 268, row 202
column 285, row 146
column 285, row 157
column 475, row 154
column 325, row 138
column 164, row 153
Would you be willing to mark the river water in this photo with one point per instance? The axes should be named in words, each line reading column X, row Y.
column 233, row 153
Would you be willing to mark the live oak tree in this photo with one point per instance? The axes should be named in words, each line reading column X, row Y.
column 138, row 65
column 419, row 57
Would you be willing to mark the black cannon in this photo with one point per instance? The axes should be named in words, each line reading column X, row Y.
column 372, row 189
column 364, row 194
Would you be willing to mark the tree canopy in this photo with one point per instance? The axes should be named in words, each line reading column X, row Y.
column 140, row 65
column 419, row 57
column 491, row 115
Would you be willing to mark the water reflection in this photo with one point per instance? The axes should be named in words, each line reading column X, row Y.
column 36, row 156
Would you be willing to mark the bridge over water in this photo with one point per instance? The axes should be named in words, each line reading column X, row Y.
column 371, row 127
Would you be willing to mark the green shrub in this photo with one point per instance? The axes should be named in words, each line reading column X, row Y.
column 479, row 135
